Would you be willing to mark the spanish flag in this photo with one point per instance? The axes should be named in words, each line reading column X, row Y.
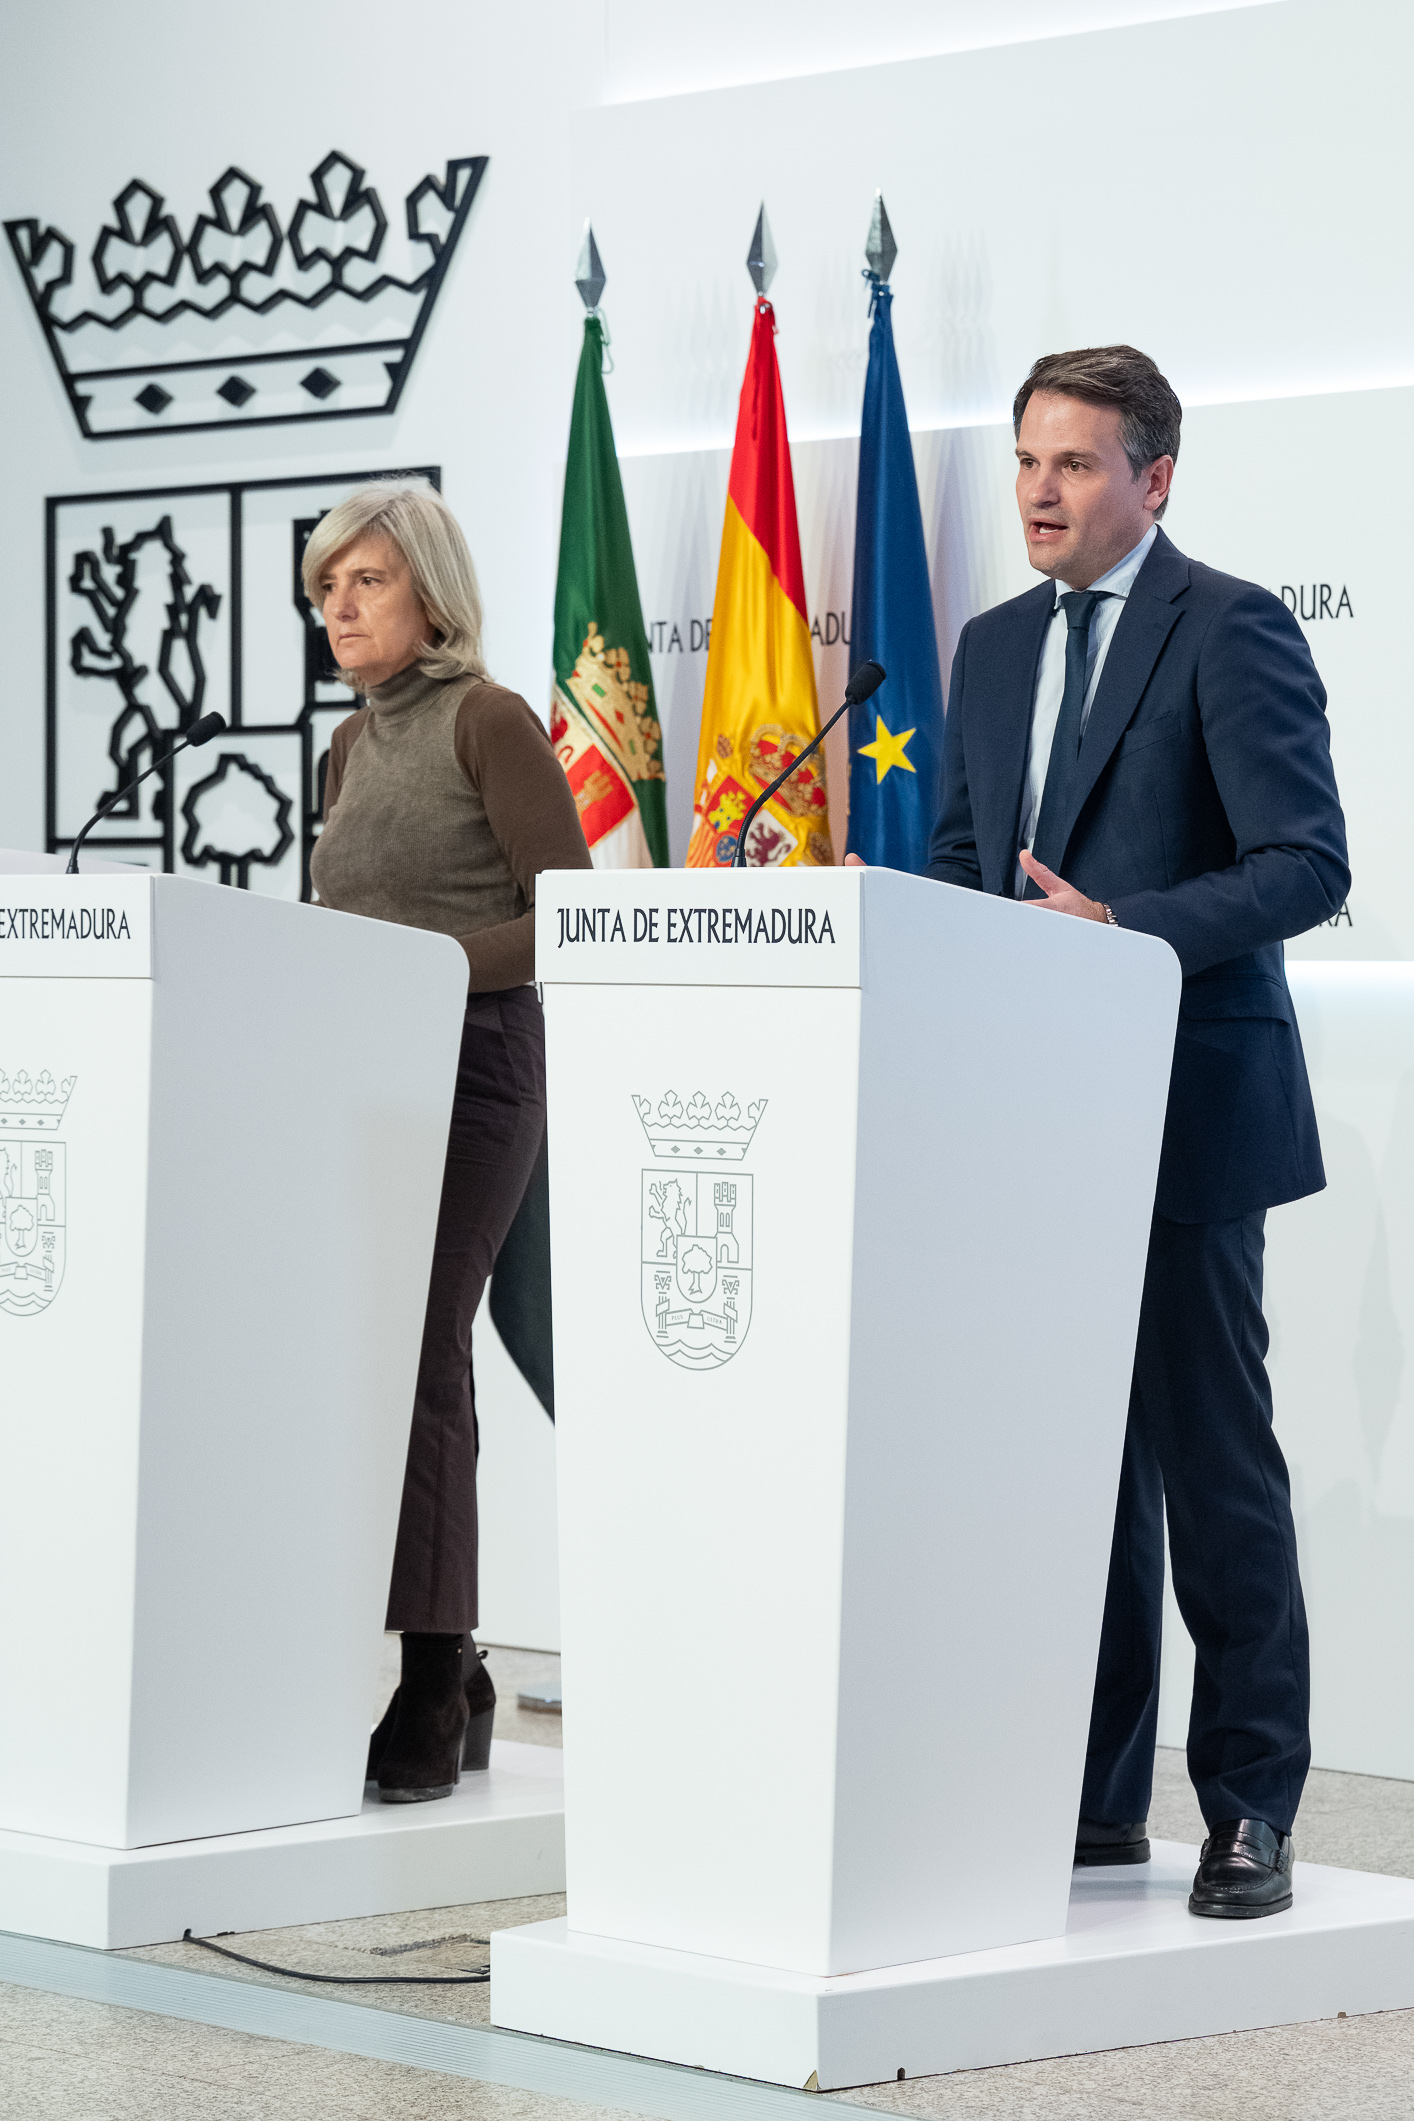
column 759, row 707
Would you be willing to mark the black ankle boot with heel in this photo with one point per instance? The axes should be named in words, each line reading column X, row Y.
column 422, row 1733
column 480, row 1697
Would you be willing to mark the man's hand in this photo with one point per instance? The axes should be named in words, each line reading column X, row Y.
column 854, row 861
column 1060, row 896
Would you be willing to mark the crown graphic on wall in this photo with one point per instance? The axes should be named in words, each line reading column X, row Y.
column 699, row 1128
column 241, row 322
column 32, row 1107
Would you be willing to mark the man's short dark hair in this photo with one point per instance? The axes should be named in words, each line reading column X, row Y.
column 1150, row 414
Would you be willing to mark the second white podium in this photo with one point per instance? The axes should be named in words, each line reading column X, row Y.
column 852, row 1177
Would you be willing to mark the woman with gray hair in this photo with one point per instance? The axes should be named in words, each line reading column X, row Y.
column 444, row 801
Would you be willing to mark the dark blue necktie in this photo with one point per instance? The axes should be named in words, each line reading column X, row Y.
column 1054, row 821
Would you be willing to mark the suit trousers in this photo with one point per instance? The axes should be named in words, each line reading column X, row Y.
column 1200, row 1448
column 498, row 1123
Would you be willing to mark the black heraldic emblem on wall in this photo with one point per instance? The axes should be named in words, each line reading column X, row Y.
column 240, row 322
column 150, row 565
column 32, row 1188
column 236, row 816
column 696, row 1245
column 165, row 603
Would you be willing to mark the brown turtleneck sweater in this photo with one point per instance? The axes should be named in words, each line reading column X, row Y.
column 442, row 805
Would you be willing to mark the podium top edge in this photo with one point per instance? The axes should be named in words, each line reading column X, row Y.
column 794, row 928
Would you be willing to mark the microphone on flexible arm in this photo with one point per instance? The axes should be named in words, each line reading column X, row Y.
column 200, row 732
column 866, row 680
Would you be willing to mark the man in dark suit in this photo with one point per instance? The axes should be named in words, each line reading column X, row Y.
column 1142, row 741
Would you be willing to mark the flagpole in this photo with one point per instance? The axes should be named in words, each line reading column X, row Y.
column 759, row 697
column 894, row 779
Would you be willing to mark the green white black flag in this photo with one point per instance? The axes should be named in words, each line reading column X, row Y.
column 604, row 719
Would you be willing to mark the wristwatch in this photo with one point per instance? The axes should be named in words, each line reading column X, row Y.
column 1108, row 912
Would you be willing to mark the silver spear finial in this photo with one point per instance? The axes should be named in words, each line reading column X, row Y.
column 880, row 248
column 589, row 274
column 761, row 258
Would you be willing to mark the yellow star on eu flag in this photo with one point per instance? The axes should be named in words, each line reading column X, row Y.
column 887, row 750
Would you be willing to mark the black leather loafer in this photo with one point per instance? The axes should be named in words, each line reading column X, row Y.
column 1244, row 1871
column 1098, row 1843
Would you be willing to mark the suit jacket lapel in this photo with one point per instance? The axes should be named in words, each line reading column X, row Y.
column 1150, row 613
column 1001, row 769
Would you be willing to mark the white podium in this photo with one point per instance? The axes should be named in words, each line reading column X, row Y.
column 852, row 1177
column 223, row 1120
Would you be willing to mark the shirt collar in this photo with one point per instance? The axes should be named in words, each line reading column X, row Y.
column 1120, row 579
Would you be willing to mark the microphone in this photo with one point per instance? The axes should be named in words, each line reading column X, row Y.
column 866, row 680
column 200, row 732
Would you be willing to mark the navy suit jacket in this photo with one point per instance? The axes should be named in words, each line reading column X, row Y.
column 1205, row 811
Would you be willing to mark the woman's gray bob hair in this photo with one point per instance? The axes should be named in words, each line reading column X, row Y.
column 413, row 516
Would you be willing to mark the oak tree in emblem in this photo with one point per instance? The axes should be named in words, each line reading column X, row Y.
column 695, row 1265
column 236, row 816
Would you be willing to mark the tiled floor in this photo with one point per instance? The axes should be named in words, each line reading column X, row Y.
column 63, row 2060
column 92, row 2062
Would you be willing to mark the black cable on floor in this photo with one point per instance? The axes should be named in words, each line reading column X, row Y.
column 292, row 1973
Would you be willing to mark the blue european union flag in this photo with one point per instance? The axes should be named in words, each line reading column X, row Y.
column 895, row 738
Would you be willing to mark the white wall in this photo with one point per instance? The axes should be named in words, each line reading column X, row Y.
column 652, row 50
column 1221, row 190
column 1340, row 1305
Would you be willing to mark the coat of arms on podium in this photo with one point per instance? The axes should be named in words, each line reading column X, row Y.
column 31, row 1191
column 696, row 1221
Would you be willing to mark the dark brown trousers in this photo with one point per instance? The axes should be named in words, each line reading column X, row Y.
column 498, row 1122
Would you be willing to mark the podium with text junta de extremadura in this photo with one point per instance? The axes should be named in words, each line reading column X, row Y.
column 848, row 1250
column 223, row 1125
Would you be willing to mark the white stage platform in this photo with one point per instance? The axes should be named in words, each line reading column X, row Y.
column 501, row 1834
column 1133, row 1967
